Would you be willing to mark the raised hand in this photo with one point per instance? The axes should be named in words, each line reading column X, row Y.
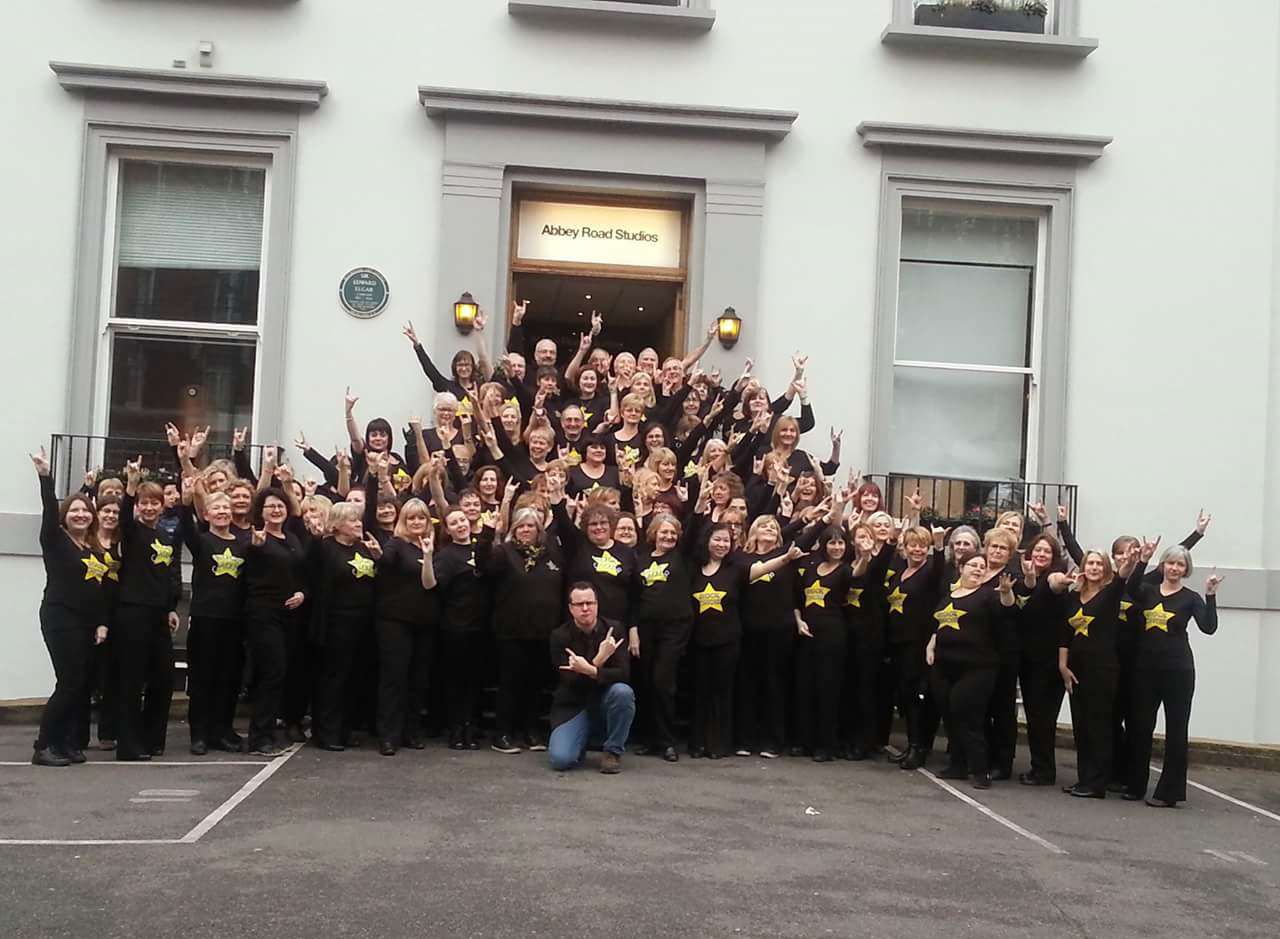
column 1211, row 585
column 371, row 544
column 608, row 646
column 259, row 537
column 584, row 343
column 171, row 434
column 916, row 501
column 1063, row 514
column 198, row 437
column 409, row 332
column 1006, row 584
column 1202, row 522
column 799, row 362
column 597, row 323
column 350, row 400
column 836, row 436
column 41, row 462
column 238, row 436
column 518, row 309
column 133, row 470
column 1148, row 549
column 1028, row 569
column 300, row 441
column 1040, row 513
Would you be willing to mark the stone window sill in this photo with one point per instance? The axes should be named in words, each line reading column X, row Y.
column 681, row 19
column 910, row 36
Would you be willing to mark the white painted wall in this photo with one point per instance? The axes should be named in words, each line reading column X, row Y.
column 1171, row 343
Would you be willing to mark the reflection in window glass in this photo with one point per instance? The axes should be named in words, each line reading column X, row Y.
column 1019, row 16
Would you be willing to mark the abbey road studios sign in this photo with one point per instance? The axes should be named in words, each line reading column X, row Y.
column 599, row 234
column 364, row 292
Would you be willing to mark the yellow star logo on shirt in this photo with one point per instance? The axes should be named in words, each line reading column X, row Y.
column 227, row 564
column 587, row 415
column 949, row 617
column 113, row 566
column 573, row 457
column 1158, row 618
column 816, row 595
column 161, row 553
column 361, row 565
column 655, row 573
column 1124, row 607
column 513, row 401
column 93, row 568
column 690, row 470
column 464, row 408
column 888, row 576
column 488, row 518
column 1080, row 623
column 896, row 599
column 764, row 578
column 1021, row 600
column 629, row 455
column 710, row 599
column 606, row 563
column 854, row 598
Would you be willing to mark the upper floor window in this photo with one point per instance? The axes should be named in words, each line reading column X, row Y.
column 1018, row 16
column 1038, row 27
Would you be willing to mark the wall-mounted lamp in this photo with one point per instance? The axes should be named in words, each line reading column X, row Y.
column 465, row 311
column 729, row 327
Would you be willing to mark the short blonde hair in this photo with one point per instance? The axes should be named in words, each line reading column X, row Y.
column 1002, row 535
column 917, row 535
column 413, row 506
column 750, row 545
column 343, row 512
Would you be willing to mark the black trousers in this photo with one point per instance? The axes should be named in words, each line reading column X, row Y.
column 764, row 677
column 464, row 668
column 662, row 646
column 819, row 678
column 1042, row 692
column 523, row 669
column 1121, row 745
column 304, row 668
column 105, row 678
column 962, row 693
column 69, row 638
column 215, row 654
column 144, row 653
column 910, row 692
column 405, row 651
column 860, row 693
column 1002, row 718
column 1153, row 687
column 1092, row 703
column 345, row 640
column 268, row 631
column 715, row 667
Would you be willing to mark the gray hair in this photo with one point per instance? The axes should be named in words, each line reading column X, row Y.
column 1176, row 553
column 526, row 514
column 963, row 530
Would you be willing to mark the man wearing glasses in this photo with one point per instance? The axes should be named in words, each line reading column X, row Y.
column 593, row 699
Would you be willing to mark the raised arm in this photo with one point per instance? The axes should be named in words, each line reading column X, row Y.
column 1068, row 537
column 692, row 358
column 353, row 430
column 434, row 376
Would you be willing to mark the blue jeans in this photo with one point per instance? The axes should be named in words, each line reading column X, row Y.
column 610, row 718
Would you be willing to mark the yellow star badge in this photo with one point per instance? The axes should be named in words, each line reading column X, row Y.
column 763, row 578
column 896, row 599
column 710, row 599
column 816, row 595
column 573, row 457
column 1124, row 607
column 361, row 565
column 629, row 455
column 655, row 573
column 513, row 401
column 1080, row 623
column 113, row 566
column 888, row 576
column 226, row 564
column 949, row 618
column 586, row 417
column 93, row 568
column 161, row 553
column 1158, row 618
column 690, row 470
column 606, row 563
column 1021, row 600
column 854, row 598
column 464, row 408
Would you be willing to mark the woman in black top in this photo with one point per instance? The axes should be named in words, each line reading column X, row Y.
column 662, row 623
column 150, row 583
column 407, row 618
column 105, row 671
column 721, row 580
column 1165, row 671
column 1039, row 627
column 594, row 556
column 963, row 654
column 1000, row 546
column 72, row 615
column 861, row 731
column 526, row 571
column 464, row 617
column 1088, row 663
column 215, row 631
column 275, row 587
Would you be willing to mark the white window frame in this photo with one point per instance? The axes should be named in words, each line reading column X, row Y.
column 109, row 326
column 998, row 208
column 1061, row 20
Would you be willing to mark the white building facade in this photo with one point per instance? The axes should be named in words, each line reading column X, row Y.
column 1036, row 245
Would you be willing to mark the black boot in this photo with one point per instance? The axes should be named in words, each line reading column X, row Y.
column 915, row 758
column 48, row 756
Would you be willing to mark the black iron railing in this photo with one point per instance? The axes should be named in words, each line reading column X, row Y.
column 73, row 456
column 949, row 500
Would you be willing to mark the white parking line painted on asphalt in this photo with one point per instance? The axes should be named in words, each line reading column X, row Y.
column 1235, row 857
column 169, row 792
column 138, row 764
column 994, row 816
column 158, row 799
column 1221, row 856
column 91, row 841
column 222, row 811
column 1226, row 798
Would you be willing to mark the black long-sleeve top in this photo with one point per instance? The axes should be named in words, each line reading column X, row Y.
column 527, row 583
column 1090, row 629
column 464, row 595
column 610, row 570
column 400, row 594
column 579, row 481
column 439, row 381
column 275, row 571
column 820, row 598
column 660, row 588
column 150, row 573
column 864, row 604
column 73, row 575
column 1164, row 643
column 717, row 600
column 345, row 576
column 576, row 692
column 971, row 629
column 217, row 569
column 769, row 601
column 1039, row 618
column 911, row 602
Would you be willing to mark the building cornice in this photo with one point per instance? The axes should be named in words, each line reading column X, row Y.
column 179, row 83
column 935, row 138
column 695, row 19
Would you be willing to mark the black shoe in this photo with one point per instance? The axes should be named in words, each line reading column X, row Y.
column 230, row 743
column 455, row 739
column 75, row 755
column 894, row 755
column 504, row 744
column 469, row 737
column 982, row 782
column 1002, row 774
column 645, row 749
column 1130, row 796
column 952, row 771
column 1162, row 804
column 387, row 748
column 697, row 753
column 916, row 757
column 132, row 757
column 821, row 756
column 331, row 745
column 296, row 733
column 1081, row 792
column 266, row 748
column 857, row 753
column 415, row 743
column 352, row 742
column 49, row 757
column 1115, row 786
column 670, row 755
column 796, row 751
column 199, row 748
column 157, row 751
column 1031, row 779
column 537, row 743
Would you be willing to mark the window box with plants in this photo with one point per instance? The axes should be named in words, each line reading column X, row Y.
column 1015, row 16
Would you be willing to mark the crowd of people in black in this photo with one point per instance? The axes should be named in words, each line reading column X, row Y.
column 616, row 528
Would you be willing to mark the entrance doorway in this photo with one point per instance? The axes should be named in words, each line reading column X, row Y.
column 637, row 313
column 627, row 259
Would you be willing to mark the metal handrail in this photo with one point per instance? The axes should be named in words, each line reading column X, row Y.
column 956, row 500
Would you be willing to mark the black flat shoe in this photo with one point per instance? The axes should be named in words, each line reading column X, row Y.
column 644, row 750
column 857, row 754
column 231, row 744
column 982, row 782
column 1130, row 796
column 504, row 744
column 697, row 753
column 670, row 755
column 1080, row 792
column 954, row 772
column 332, row 746
column 1031, row 779
column 1002, row 774
column 133, row 757
column 199, row 748
column 821, row 756
column 387, row 748
column 1161, row 804
column 916, row 758
column 414, row 743
column 49, row 757
column 469, row 738
column 796, row 751
column 714, row 755
column 1115, row 787
column 75, row 755
column 157, row 751
column 296, row 734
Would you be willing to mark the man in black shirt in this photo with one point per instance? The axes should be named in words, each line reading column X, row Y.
column 593, row 698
